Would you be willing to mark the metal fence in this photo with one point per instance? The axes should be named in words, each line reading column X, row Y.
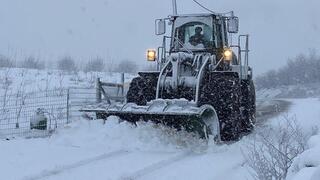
column 110, row 91
column 79, row 97
column 40, row 113
column 21, row 114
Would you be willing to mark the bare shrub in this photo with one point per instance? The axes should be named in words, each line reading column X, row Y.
column 302, row 69
column 5, row 62
column 67, row 64
column 267, row 80
column 61, row 85
column 95, row 65
column 20, row 98
column 127, row 66
column 110, row 66
column 270, row 153
column 6, row 85
column 32, row 63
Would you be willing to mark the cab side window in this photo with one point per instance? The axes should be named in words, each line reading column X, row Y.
column 219, row 36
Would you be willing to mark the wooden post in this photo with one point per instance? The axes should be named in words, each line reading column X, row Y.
column 98, row 91
column 122, row 82
column 68, row 106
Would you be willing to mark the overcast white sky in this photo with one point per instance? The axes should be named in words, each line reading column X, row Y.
column 124, row 29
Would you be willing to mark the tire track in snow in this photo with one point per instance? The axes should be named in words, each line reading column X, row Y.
column 64, row 168
column 156, row 166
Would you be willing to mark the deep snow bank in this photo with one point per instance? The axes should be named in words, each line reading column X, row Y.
column 307, row 165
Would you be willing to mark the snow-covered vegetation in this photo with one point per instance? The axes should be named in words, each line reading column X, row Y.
column 300, row 78
column 301, row 70
column 69, row 64
column 307, row 165
column 272, row 150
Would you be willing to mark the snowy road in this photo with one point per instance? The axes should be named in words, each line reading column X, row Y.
column 91, row 150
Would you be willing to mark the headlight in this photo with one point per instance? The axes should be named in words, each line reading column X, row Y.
column 227, row 54
column 151, row 55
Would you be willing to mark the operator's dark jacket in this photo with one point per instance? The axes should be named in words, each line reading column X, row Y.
column 197, row 39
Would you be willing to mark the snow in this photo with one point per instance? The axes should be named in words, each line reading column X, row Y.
column 93, row 150
column 305, row 111
column 307, row 165
column 31, row 80
column 307, row 114
column 81, row 152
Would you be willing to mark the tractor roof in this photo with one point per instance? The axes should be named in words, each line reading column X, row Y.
column 197, row 15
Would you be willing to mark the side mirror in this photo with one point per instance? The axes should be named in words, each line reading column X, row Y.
column 160, row 26
column 233, row 24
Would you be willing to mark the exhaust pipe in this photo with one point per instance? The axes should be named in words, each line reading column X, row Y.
column 174, row 5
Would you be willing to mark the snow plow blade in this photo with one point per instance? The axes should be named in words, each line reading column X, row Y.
column 179, row 114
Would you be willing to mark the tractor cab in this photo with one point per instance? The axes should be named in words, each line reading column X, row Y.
column 198, row 33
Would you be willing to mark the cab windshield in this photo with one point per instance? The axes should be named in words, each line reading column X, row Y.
column 193, row 36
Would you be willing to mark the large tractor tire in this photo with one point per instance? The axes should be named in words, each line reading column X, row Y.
column 142, row 90
column 222, row 91
column 248, row 106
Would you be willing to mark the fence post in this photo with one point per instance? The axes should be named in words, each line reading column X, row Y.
column 68, row 106
column 98, row 91
column 122, row 82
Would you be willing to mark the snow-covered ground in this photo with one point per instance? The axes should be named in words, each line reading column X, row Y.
column 30, row 80
column 120, row 151
column 93, row 150
column 307, row 165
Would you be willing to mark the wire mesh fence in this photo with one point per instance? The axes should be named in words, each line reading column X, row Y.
column 81, row 97
column 33, row 114
column 40, row 113
column 78, row 98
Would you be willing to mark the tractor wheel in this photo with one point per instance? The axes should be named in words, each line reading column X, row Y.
column 248, row 106
column 142, row 90
column 222, row 91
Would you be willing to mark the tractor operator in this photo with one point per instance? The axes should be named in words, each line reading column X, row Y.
column 198, row 38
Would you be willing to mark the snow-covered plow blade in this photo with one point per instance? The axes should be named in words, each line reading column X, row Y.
column 179, row 114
